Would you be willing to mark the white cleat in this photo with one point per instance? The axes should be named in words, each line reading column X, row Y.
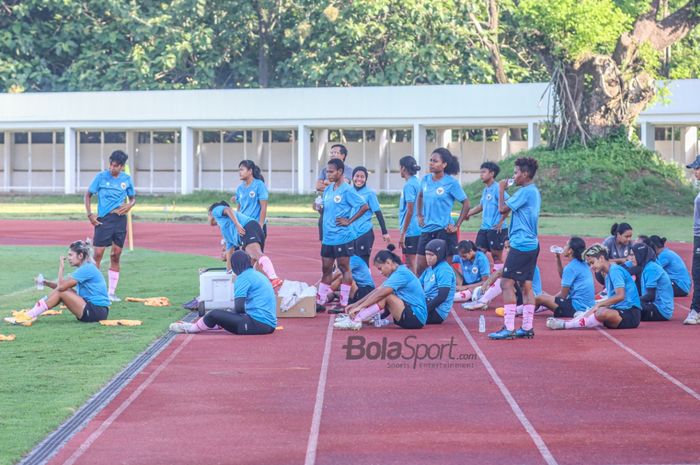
column 341, row 317
column 348, row 323
column 555, row 323
column 114, row 298
column 693, row 318
column 181, row 327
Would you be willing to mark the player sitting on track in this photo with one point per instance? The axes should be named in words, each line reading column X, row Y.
column 362, row 282
column 577, row 292
column 621, row 309
column 89, row 301
column 112, row 187
column 255, row 304
column 239, row 230
column 408, row 219
column 657, row 291
column 438, row 281
column 439, row 191
column 672, row 264
column 251, row 195
column 363, row 225
column 619, row 243
column 401, row 295
column 472, row 269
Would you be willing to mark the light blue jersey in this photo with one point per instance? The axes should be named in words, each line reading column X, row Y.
column 111, row 192
column 490, row 216
column 249, row 197
column 525, row 207
column 409, row 194
column 407, row 288
column 360, row 272
column 618, row 277
column 364, row 223
column 673, row 264
column 578, row 278
column 438, row 199
column 339, row 202
column 434, row 278
column 91, row 285
column 654, row 277
column 228, row 227
column 260, row 300
column 474, row 271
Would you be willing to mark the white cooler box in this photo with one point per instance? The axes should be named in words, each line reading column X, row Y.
column 215, row 290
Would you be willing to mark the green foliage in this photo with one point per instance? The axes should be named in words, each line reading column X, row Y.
column 610, row 177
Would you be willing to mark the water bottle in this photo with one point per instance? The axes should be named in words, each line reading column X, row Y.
column 482, row 324
column 510, row 182
column 40, row 282
column 319, row 201
column 556, row 249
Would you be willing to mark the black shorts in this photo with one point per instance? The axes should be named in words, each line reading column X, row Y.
column 360, row 293
column 93, row 313
column 650, row 312
column 253, row 233
column 337, row 251
column 434, row 318
column 520, row 266
column 490, row 239
column 449, row 238
column 565, row 308
column 364, row 243
column 408, row 318
column 410, row 245
column 111, row 231
column 677, row 291
column 630, row 318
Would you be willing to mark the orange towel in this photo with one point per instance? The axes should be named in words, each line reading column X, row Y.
column 120, row 322
column 151, row 301
column 8, row 338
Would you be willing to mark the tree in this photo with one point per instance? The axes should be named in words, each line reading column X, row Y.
column 602, row 57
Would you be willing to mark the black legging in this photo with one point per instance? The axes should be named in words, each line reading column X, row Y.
column 434, row 318
column 236, row 323
column 695, row 304
column 651, row 313
column 677, row 291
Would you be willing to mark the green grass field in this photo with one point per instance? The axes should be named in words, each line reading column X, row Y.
column 54, row 366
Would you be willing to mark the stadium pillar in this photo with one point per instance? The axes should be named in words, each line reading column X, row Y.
column 186, row 160
column 69, row 160
column 689, row 138
column 533, row 135
column 131, row 151
column 303, row 158
column 321, row 138
column 7, row 161
column 382, row 168
column 648, row 139
column 444, row 137
column 504, row 142
column 419, row 136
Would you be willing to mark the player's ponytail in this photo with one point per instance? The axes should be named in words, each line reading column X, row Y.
column 250, row 164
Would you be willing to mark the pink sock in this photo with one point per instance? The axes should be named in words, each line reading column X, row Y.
column 344, row 294
column 199, row 326
column 267, row 268
column 463, row 296
column 528, row 314
column 39, row 308
column 509, row 317
column 113, row 280
column 492, row 292
column 366, row 313
column 582, row 322
column 323, row 291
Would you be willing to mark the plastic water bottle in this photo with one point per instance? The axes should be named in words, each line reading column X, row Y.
column 510, row 182
column 319, row 201
column 482, row 324
column 40, row 282
column 556, row 249
column 378, row 321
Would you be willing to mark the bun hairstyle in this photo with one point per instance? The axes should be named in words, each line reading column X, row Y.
column 446, row 156
column 657, row 242
column 578, row 247
column 83, row 248
column 218, row 204
column 409, row 164
column 250, row 164
column 620, row 228
column 466, row 246
column 386, row 255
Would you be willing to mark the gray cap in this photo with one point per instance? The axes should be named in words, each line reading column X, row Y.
column 695, row 164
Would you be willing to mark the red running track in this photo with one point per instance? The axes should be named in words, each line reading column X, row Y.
column 595, row 397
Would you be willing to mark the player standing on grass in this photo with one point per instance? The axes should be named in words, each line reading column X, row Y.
column 112, row 187
column 524, row 248
column 693, row 317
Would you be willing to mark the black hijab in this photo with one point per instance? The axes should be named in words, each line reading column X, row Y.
column 240, row 261
column 643, row 254
column 439, row 248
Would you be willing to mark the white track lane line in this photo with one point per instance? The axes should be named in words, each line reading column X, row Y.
column 312, row 445
column 534, row 435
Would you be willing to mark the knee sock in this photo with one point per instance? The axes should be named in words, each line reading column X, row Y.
column 366, row 313
column 322, row 295
column 582, row 322
column 463, row 296
column 267, row 267
column 113, row 280
column 344, row 294
column 509, row 317
column 528, row 314
column 492, row 292
column 39, row 308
